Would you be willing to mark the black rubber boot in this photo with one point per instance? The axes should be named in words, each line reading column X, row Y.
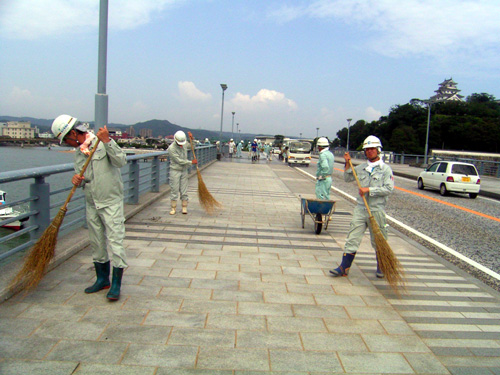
column 343, row 269
column 114, row 292
column 102, row 282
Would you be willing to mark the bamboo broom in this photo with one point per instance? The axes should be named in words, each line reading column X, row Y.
column 206, row 199
column 42, row 252
column 388, row 262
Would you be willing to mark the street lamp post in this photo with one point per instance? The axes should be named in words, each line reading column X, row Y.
column 300, row 136
column 232, row 126
column 429, row 103
column 348, row 131
column 238, row 129
column 224, row 87
column 317, row 129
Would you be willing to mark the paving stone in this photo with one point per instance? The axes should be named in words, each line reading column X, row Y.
column 291, row 360
column 167, row 303
column 268, row 340
column 18, row 327
column 136, row 334
column 16, row 367
column 425, row 363
column 203, row 337
column 236, row 322
column 270, row 309
column 229, row 295
column 75, row 331
column 392, row 363
column 295, row 324
column 87, row 351
column 394, row 343
column 27, row 348
column 178, row 319
column 337, row 325
column 93, row 369
column 161, row 355
column 236, row 359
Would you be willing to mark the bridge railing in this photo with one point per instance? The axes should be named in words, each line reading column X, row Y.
column 50, row 186
column 484, row 167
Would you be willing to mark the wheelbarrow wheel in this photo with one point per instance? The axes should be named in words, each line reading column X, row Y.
column 318, row 223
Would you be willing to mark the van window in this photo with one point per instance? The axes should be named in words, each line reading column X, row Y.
column 300, row 147
column 466, row 169
column 442, row 167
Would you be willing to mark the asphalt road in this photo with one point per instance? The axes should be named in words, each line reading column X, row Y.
column 468, row 226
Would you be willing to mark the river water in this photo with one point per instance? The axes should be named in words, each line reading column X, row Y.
column 17, row 158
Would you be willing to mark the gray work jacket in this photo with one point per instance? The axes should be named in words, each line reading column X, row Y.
column 103, row 179
column 380, row 181
column 178, row 157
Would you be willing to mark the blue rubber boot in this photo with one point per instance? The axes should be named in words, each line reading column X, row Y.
column 343, row 269
column 102, row 282
column 379, row 272
column 114, row 292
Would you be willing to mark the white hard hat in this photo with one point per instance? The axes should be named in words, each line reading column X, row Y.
column 255, row 140
column 180, row 137
column 206, row 139
column 323, row 142
column 231, row 139
column 372, row 141
column 62, row 125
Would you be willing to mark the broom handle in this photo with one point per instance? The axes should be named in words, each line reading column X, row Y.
column 81, row 174
column 192, row 146
column 359, row 186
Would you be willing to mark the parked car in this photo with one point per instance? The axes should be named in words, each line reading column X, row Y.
column 451, row 176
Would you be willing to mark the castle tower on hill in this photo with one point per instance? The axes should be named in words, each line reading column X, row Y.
column 447, row 91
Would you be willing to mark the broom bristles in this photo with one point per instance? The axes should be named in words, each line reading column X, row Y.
column 39, row 257
column 208, row 202
column 389, row 264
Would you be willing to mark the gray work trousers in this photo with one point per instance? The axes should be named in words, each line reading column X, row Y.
column 360, row 221
column 106, row 227
column 178, row 181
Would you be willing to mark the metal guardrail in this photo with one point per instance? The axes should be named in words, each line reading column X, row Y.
column 484, row 167
column 143, row 173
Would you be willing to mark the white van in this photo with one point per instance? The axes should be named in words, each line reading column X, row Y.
column 299, row 152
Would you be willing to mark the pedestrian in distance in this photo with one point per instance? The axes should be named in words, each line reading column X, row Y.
column 377, row 183
column 286, row 154
column 239, row 147
column 103, row 189
column 324, row 169
column 232, row 147
column 179, row 169
column 255, row 150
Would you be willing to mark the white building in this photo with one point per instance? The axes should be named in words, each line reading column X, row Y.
column 19, row 129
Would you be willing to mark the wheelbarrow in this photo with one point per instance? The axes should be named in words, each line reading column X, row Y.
column 320, row 211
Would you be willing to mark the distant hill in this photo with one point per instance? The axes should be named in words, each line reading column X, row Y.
column 159, row 128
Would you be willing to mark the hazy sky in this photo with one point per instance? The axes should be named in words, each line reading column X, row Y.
column 291, row 66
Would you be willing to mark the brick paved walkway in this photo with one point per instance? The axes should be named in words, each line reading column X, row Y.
column 247, row 292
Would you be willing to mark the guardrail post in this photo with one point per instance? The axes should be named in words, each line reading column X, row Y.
column 133, row 174
column 41, row 190
column 155, row 175
column 402, row 158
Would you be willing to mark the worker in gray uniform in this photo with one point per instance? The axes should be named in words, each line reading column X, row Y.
column 377, row 183
column 324, row 169
column 179, row 167
column 103, row 188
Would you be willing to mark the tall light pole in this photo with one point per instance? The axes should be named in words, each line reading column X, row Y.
column 348, row 131
column 232, row 126
column 238, row 129
column 317, row 129
column 300, row 135
column 224, row 87
column 429, row 103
